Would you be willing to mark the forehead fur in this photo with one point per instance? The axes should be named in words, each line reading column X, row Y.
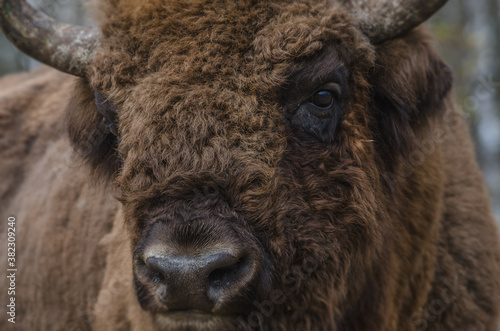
column 197, row 83
column 235, row 39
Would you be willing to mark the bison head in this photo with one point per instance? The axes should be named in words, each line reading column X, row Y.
column 258, row 149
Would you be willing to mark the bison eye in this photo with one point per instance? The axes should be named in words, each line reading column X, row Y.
column 108, row 111
column 322, row 99
column 113, row 129
column 317, row 112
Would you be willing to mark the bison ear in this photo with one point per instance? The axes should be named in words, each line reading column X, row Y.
column 410, row 84
column 89, row 132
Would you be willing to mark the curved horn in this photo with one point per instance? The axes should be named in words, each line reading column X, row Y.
column 62, row 46
column 381, row 20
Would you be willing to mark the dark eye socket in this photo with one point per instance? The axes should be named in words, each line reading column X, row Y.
column 322, row 99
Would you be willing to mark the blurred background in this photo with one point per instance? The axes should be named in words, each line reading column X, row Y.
column 468, row 38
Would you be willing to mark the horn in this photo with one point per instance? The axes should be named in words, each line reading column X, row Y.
column 383, row 20
column 62, row 46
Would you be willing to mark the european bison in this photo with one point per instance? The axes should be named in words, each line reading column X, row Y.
column 260, row 165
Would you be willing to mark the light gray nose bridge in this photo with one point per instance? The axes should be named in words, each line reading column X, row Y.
column 190, row 264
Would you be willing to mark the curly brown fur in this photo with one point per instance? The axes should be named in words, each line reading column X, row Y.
column 379, row 222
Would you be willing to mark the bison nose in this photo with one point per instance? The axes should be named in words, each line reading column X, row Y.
column 201, row 282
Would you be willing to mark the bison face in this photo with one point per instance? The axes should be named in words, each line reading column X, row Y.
column 249, row 144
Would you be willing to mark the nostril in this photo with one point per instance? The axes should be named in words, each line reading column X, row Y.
column 226, row 276
column 153, row 270
column 157, row 277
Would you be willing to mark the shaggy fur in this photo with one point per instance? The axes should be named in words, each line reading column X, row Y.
column 381, row 222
